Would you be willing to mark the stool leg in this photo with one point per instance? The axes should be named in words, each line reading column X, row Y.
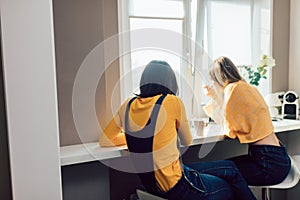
column 268, row 194
column 265, row 194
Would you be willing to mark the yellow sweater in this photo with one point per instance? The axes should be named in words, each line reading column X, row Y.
column 242, row 112
column 172, row 116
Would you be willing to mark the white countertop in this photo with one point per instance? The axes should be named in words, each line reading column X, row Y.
column 81, row 153
column 286, row 125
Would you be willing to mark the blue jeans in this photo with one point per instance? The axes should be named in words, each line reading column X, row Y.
column 199, row 186
column 264, row 164
column 228, row 172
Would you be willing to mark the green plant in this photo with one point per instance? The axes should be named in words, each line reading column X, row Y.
column 254, row 75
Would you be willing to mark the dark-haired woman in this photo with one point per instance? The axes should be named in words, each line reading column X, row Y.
column 242, row 111
column 153, row 121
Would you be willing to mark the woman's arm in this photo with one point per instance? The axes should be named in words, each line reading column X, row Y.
column 214, row 108
column 182, row 124
column 112, row 135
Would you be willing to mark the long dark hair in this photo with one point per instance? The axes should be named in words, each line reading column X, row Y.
column 158, row 78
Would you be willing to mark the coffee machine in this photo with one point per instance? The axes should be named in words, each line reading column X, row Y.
column 290, row 106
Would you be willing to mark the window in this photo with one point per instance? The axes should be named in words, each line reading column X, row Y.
column 239, row 29
column 147, row 14
column 233, row 38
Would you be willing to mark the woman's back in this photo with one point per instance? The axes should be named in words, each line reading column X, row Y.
column 171, row 117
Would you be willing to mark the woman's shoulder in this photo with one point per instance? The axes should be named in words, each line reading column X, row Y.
column 127, row 101
column 238, row 86
column 123, row 106
column 169, row 99
column 172, row 98
column 243, row 92
column 173, row 103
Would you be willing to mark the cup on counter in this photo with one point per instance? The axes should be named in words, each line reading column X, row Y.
column 199, row 125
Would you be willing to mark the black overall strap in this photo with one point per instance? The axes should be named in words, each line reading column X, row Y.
column 140, row 146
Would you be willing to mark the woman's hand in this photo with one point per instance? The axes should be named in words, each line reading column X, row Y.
column 210, row 91
column 214, row 94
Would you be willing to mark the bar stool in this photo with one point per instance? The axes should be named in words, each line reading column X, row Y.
column 142, row 195
column 290, row 181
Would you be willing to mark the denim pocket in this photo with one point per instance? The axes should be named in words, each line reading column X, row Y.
column 184, row 190
column 194, row 178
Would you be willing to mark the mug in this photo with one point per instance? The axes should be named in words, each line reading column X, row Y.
column 199, row 125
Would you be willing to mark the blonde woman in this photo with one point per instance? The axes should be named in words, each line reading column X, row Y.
column 244, row 115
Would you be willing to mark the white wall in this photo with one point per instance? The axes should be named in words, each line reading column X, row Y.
column 31, row 98
column 280, row 45
column 294, row 83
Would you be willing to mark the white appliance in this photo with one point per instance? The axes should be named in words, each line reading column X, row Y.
column 290, row 106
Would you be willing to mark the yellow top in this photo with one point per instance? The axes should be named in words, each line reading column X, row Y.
column 243, row 113
column 171, row 122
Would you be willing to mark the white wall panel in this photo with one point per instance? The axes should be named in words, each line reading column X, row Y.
column 31, row 98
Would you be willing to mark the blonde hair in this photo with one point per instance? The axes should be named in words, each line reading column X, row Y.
column 224, row 72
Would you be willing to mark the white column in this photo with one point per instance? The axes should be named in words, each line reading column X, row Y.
column 294, row 66
column 31, row 98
